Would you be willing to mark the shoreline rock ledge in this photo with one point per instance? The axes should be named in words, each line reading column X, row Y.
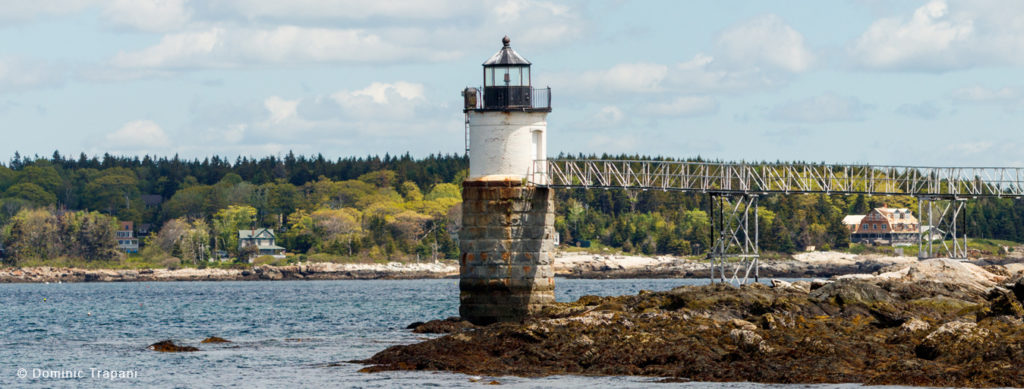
column 896, row 327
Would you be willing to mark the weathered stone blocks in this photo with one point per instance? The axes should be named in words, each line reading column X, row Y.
column 507, row 271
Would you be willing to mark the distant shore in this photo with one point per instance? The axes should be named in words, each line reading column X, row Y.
column 570, row 265
column 311, row 271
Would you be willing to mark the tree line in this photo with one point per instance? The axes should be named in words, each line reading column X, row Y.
column 390, row 207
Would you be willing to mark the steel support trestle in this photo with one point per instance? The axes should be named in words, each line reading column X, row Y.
column 734, row 235
column 946, row 219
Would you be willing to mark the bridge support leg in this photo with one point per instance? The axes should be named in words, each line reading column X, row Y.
column 946, row 219
column 506, row 268
column 734, row 235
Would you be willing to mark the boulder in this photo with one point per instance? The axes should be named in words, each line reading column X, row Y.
column 168, row 346
column 955, row 341
column 214, row 339
column 1002, row 301
column 908, row 330
column 749, row 341
column 446, row 326
column 851, row 292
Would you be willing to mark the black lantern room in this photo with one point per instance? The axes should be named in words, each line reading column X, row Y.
column 507, row 84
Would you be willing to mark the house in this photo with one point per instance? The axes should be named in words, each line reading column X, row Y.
column 126, row 240
column 883, row 226
column 264, row 241
column 852, row 222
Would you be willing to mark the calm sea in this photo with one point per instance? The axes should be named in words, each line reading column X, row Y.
column 285, row 334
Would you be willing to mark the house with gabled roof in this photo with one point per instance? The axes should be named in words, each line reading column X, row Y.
column 263, row 239
column 883, row 226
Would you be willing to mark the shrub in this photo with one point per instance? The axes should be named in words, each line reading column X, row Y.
column 171, row 263
column 269, row 260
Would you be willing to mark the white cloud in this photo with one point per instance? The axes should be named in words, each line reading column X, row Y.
column 19, row 74
column 629, row 77
column 703, row 74
column 828, row 107
column 150, row 15
column 380, row 117
column 929, row 39
column 609, row 115
column 685, row 106
column 1008, row 97
column 280, row 109
column 980, row 94
column 398, row 100
column 227, row 48
column 605, row 118
column 941, row 36
column 382, row 93
column 698, row 75
column 238, row 34
column 26, row 10
column 311, row 10
column 765, row 41
column 138, row 135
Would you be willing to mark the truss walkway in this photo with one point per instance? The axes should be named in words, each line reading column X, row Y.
column 734, row 188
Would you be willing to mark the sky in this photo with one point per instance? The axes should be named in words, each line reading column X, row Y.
column 893, row 82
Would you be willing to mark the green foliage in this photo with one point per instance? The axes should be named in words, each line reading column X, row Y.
column 40, row 234
column 444, row 190
column 7, row 177
column 228, row 221
column 269, row 260
column 379, row 208
column 32, row 193
column 380, row 179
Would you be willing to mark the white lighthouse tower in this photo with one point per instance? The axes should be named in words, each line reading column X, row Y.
column 506, row 269
column 507, row 121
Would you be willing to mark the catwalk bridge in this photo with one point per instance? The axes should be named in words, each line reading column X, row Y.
column 734, row 188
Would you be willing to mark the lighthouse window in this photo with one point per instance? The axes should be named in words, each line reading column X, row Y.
column 517, row 76
column 489, row 77
column 506, row 78
column 526, row 77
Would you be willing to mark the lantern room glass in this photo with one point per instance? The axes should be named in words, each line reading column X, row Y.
column 507, row 76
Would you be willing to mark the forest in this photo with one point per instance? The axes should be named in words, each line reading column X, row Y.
column 369, row 209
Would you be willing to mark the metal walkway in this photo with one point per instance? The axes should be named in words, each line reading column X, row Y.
column 734, row 188
column 742, row 178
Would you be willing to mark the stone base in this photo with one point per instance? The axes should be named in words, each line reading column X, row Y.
column 507, row 240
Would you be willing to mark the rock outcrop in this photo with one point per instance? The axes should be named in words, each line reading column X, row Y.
column 877, row 330
column 215, row 339
column 168, row 346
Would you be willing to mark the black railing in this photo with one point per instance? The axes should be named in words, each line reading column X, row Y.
column 509, row 98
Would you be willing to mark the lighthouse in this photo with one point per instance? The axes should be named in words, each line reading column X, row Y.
column 507, row 238
column 507, row 120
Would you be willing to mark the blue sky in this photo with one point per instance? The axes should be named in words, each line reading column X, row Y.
column 881, row 82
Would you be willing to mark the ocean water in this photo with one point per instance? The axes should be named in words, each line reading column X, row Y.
column 284, row 334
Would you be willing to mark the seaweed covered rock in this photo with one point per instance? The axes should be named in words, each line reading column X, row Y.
column 168, row 346
column 446, row 326
column 215, row 339
column 886, row 332
column 956, row 341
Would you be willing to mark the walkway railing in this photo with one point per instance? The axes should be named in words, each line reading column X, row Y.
column 742, row 178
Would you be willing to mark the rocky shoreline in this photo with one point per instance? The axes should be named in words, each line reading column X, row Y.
column 590, row 266
column 313, row 271
column 936, row 322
